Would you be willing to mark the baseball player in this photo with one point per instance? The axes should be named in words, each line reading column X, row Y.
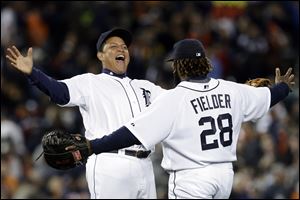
column 198, row 123
column 106, row 101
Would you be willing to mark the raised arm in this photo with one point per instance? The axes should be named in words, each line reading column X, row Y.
column 18, row 61
column 57, row 91
column 288, row 78
column 282, row 86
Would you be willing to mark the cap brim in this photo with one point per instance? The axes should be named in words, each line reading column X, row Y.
column 170, row 60
column 122, row 33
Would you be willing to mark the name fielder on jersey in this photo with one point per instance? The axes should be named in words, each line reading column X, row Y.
column 210, row 102
column 221, row 125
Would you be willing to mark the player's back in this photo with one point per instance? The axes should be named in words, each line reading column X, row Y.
column 208, row 120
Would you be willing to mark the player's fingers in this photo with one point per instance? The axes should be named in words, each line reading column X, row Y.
column 13, row 64
column 12, row 53
column 291, row 78
column 277, row 72
column 10, row 59
column 29, row 52
column 289, row 71
column 17, row 52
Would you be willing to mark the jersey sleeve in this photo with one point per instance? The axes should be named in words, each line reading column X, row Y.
column 256, row 102
column 155, row 123
column 78, row 91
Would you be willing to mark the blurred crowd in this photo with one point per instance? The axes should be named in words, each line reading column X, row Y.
column 243, row 40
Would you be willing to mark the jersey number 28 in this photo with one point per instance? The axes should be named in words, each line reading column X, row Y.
column 223, row 130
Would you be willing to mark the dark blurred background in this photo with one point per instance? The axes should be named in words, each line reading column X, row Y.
column 243, row 39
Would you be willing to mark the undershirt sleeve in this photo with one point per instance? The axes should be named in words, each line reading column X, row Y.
column 56, row 90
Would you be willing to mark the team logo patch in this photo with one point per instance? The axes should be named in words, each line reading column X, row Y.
column 76, row 155
column 146, row 95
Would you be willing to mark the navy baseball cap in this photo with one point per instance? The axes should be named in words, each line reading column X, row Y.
column 122, row 33
column 187, row 48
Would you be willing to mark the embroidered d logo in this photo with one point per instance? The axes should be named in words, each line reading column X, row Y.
column 146, row 95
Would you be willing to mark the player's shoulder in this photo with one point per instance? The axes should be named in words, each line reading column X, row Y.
column 174, row 93
column 169, row 95
column 92, row 76
column 144, row 82
column 85, row 75
column 77, row 78
column 231, row 83
column 227, row 82
column 241, row 88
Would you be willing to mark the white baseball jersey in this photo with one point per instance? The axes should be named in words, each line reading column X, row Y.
column 199, row 123
column 106, row 103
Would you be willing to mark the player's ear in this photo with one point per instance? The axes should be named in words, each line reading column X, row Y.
column 100, row 55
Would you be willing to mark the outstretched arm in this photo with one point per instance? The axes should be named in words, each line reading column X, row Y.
column 280, row 89
column 288, row 78
column 65, row 151
column 57, row 91
column 119, row 139
column 18, row 61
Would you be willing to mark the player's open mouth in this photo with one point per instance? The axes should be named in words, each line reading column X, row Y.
column 120, row 60
column 120, row 57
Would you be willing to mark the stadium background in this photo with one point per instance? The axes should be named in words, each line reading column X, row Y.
column 243, row 40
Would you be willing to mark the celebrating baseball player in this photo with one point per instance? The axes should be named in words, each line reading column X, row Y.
column 106, row 101
column 198, row 123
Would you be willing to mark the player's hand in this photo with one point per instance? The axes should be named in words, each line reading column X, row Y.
column 20, row 62
column 288, row 78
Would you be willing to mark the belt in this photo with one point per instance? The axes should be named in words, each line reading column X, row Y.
column 138, row 154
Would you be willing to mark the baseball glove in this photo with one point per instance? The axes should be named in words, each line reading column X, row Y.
column 259, row 82
column 65, row 151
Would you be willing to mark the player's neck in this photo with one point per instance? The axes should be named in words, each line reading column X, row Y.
column 199, row 79
column 109, row 72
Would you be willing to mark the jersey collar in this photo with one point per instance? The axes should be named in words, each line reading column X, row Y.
column 109, row 72
column 199, row 79
column 200, row 86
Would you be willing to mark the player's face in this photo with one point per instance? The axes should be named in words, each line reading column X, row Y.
column 115, row 55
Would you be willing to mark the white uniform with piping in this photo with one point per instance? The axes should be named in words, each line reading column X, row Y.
column 198, row 125
column 106, row 103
